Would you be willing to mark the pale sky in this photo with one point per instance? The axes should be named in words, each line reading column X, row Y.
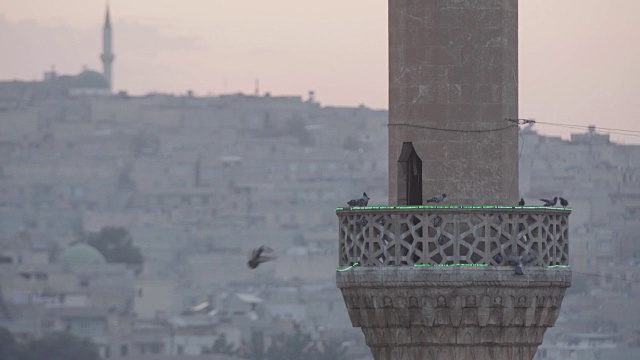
column 578, row 58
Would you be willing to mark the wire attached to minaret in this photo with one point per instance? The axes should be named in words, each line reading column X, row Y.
column 518, row 121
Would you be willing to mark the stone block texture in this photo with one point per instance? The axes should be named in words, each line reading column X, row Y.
column 407, row 313
column 453, row 79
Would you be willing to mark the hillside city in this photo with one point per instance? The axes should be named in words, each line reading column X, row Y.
column 198, row 182
column 128, row 221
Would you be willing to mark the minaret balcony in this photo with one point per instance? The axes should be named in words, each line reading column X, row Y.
column 452, row 235
column 437, row 282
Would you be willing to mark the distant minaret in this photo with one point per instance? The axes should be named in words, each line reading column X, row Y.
column 107, row 56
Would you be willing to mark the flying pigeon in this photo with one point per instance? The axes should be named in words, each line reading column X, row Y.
column 258, row 258
column 549, row 202
column 522, row 260
column 521, row 203
column 437, row 221
column 437, row 199
column 563, row 202
column 363, row 201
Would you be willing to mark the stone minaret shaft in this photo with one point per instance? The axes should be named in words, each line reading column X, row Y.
column 453, row 79
column 107, row 56
column 436, row 283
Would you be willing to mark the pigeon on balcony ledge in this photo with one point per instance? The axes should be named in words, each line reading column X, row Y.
column 521, row 261
column 550, row 202
column 363, row 201
column 564, row 202
column 437, row 199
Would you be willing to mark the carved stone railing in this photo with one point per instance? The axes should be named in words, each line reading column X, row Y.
column 440, row 235
column 436, row 312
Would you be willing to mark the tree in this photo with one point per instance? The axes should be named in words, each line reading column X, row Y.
column 116, row 245
column 62, row 346
column 291, row 347
column 296, row 128
column 9, row 349
column 56, row 346
column 332, row 350
column 298, row 345
column 222, row 346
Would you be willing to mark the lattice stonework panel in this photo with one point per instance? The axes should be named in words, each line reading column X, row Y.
column 410, row 237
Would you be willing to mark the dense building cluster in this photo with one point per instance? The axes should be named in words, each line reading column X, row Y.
column 197, row 182
column 600, row 179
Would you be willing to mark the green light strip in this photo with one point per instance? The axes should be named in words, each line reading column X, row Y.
column 450, row 265
column 347, row 268
column 420, row 265
column 428, row 207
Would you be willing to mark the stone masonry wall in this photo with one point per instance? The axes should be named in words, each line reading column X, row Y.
column 453, row 78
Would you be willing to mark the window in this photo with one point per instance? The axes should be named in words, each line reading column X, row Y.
column 409, row 175
column 123, row 350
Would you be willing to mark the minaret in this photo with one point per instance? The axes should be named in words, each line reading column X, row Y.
column 107, row 56
column 440, row 282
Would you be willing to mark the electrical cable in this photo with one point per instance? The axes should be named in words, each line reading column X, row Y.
column 454, row 130
column 587, row 127
column 606, row 277
column 518, row 122
column 596, row 129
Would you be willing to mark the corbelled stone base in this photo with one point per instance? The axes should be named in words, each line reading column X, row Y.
column 453, row 312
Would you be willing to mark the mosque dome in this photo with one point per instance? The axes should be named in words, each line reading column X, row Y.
column 89, row 79
column 81, row 254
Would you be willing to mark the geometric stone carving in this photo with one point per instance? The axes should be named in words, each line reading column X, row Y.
column 438, row 236
column 478, row 313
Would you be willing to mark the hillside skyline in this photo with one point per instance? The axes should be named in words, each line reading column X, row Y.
column 575, row 64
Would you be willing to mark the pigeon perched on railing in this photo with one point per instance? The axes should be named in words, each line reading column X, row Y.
column 564, row 202
column 521, row 202
column 437, row 221
column 550, row 202
column 521, row 261
column 258, row 258
column 437, row 199
column 363, row 201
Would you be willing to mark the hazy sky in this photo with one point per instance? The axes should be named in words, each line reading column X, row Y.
column 578, row 58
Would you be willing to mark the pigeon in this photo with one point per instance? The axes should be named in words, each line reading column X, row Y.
column 563, row 202
column 258, row 258
column 437, row 221
column 521, row 203
column 442, row 240
column 363, row 201
column 362, row 222
column 437, row 199
column 522, row 260
column 498, row 258
column 549, row 202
